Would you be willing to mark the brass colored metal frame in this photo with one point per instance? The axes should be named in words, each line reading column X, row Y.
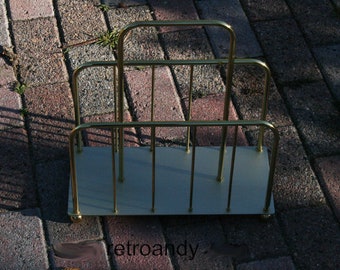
column 117, row 127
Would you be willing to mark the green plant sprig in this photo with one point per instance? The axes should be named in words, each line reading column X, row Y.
column 109, row 39
column 20, row 88
column 104, row 7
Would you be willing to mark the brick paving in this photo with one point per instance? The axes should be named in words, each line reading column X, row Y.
column 298, row 39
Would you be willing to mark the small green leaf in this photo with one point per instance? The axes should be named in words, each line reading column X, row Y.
column 104, row 7
column 109, row 38
column 20, row 88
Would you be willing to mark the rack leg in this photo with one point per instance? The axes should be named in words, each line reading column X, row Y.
column 192, row 168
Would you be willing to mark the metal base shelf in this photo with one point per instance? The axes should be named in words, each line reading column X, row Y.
column 172, row 186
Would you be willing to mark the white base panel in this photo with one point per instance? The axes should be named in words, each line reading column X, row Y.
column 173, row 167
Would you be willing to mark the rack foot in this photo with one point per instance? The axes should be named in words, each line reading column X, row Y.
column 266, row 217
column 76, row 218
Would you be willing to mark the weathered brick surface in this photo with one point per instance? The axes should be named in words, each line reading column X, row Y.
column 38, row 48
column 101, row 137
column 53, row 186
column 51, row 117
column 328, row 58
column 314, row 237
column 30, row 9
column 22, row 240
column 10, row 103
column 174, row 10
column 230, row 12
column 286, row 51
column 212, row 108
column 318, row 20
column 295, row 183
column 265, row 9
column 255, row 237
column 193, row 44
column 140, row 86
column 328, row 169
column 17, row 186
column 142, row 43
column 80, row 22
column 248, row 96
column 96, row 91
column 95, row 84
column 315, row 115
column 268, row 264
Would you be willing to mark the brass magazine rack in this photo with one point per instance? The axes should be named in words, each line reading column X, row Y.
column 171, row 180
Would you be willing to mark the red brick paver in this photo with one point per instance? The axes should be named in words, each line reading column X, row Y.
column 30, row 9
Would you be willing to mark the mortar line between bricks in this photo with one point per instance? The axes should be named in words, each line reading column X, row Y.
column 289, row 245
column 62, row 41
column 326, row 193
column 311, row 161
column 29, row 137
column 110, row 257
column 172, row 257
column 48, row 245
column 309, row 46
column 22, row 97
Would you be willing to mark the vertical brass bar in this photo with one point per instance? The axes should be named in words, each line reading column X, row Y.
column 232, row 165
column 75, row 94
column 116, row 134
column 120, row 64
column 271, row 170
column 189, row 107
column 230, row 70
column 114, row 179
column 152, row 92
column 153, row 172
column 264, row 106
column 74, row 185
column 152, row 105
column 121, row 155
column 192, row 167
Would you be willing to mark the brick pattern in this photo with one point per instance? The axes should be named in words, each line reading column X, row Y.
column 300, row 42
column 286, row 51
column 232, row 13
column 314, row 113
column 139, row 83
